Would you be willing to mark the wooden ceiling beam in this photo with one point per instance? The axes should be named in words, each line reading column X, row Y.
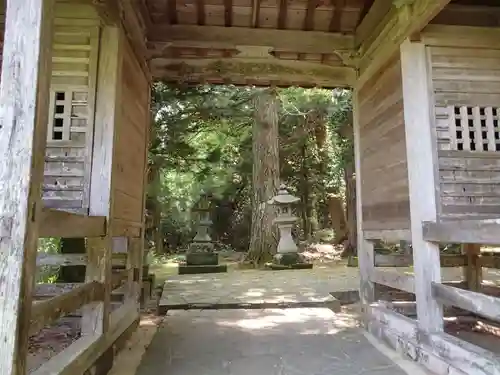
column 260, row 69
column 404, row 19
column 372, row 20
column 192, row 36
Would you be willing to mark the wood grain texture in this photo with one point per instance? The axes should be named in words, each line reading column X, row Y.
column 365, row 248
column 56, row 223
column 24, row 89
column 49, row 310
column 384, row 184
column 423, row 178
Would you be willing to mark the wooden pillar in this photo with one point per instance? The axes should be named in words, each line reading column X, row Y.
column 99, row 250
column 423, row 175
column 24, row 93
column 365, row 248
column 473, row 272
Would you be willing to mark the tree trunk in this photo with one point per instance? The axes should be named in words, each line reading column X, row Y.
column 72, row 274
column 350, row 245
column 263, row 241
column 337, row 217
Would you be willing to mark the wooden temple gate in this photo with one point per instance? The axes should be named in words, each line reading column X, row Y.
column 74, row 124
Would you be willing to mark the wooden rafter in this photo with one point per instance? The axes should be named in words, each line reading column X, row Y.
column 335, row 21
column 228, row 13
column 255, row 13
column 309, row 18
column 200, row 9
column 402, row 21
column 191, row 36
column 283, row 10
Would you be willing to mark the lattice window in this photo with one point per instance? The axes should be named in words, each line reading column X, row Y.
column 474, row 128
column 68, row 114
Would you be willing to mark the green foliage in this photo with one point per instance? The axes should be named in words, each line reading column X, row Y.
column 202, row 141
column 48, row 274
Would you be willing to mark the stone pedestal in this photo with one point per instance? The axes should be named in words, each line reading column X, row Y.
column 287, row 257
column 200, row 257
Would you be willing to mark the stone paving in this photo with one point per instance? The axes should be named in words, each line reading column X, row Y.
column 305, row 288
column 300, row 341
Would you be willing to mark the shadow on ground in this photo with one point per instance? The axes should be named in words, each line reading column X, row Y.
column 302, row 341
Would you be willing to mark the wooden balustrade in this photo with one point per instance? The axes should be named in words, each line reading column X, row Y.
column 478, row 303
column 48, row 311
column 404, row 260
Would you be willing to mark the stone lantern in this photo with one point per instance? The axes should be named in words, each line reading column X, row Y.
column 200, row 257
column 287, row 256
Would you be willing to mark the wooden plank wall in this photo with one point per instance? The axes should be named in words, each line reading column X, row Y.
column 74, row 64
column 466, row 83
column 130, row 147
column 384, row 170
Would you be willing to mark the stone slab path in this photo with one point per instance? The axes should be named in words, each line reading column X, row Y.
column 299, row 341
column 256, row 289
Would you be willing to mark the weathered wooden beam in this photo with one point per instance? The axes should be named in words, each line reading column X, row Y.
column 56, row 223
column 268, row 68
column 404, row 260
column 400, row 23
column 372, row 21
column 423, row 175
column 396, row 280
column 490, row 261
column 365, row 251
column 49, row 310
column 24, row 93
column 83, row 353
column 391, row 236
column 478, row 303
column 218, row 37
column 45, row 259
column 440, row 353
column 473, row 273
column 485, row 232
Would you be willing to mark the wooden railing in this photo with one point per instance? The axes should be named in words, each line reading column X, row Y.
column 91, row 300
column 477, row 303
column 55, row 223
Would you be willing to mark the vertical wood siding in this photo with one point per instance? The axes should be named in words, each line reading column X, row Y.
column 384, row 170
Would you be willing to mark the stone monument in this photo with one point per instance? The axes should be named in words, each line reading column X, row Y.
column 201, row 257
column 287, row 256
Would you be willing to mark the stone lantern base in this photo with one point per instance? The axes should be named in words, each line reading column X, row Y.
column 289, row 261
column 201, row 259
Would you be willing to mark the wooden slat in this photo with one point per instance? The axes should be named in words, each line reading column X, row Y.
column 485, row 232
column 490, row 261
column 45, row 259
column 388, row 235
column 394, row 280
column 82, row 354
column 478, row 303
column 24, row 93
column 48, row 311
column 55, row 223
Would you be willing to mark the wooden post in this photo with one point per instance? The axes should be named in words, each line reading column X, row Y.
column 421, row 150
column 96, row 319
column 365, row 248
column 473, row 272
column 24, row 93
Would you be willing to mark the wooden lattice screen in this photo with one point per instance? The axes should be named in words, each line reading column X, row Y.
column 68, row 114
column 474, row 128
